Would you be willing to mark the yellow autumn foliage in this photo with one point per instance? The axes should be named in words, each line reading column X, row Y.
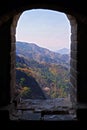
column 24, row 90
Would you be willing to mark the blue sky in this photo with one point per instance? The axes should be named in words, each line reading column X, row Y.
column 47, row 28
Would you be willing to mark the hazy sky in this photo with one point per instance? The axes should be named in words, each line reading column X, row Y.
column 47, row 28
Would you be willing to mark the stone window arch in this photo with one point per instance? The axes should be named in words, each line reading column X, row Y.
column 73, row 55
column 78, row 19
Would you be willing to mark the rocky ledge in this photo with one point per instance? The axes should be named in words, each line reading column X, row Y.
column 49, row 109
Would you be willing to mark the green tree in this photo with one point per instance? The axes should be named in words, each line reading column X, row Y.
column 22, row 81
column 24, row 91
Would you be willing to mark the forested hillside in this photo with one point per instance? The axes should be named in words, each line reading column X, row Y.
column 49, row 69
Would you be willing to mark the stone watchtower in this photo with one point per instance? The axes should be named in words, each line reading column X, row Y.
column 77, row 14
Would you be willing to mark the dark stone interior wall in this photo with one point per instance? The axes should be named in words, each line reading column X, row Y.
column 73, row 60
column 5, row 48
column 82, row 63
column 74, row 8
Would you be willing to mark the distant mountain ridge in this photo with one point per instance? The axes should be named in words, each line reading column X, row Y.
column 63, row 51
column 39, row 54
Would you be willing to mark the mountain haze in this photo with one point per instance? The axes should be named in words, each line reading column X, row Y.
column 63, row 51
column 39, row 54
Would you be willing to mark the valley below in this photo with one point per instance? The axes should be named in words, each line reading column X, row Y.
column 41, row 73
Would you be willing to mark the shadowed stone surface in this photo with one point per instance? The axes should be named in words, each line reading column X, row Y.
column 44, row 110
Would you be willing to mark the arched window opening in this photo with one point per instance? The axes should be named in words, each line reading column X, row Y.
column 44, row 59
